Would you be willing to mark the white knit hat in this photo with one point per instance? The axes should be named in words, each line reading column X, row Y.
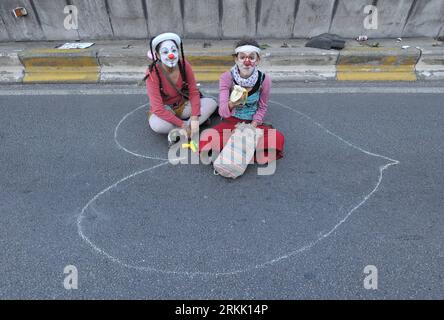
column 166, row 36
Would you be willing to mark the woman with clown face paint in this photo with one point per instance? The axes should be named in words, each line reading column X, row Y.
column 245, row 73
column 175, row 100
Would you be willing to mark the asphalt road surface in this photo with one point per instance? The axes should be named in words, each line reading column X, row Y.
column 84, row 182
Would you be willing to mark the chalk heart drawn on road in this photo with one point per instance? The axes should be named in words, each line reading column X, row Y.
column 184, row 220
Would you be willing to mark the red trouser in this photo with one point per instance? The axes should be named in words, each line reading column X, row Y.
column 264, row 150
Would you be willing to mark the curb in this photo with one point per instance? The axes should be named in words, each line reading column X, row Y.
column 119, row 68
column 60, row 66
column 431, row 65
column 108, row 64
column 12, row 70
column 301, row 64
column 377, row 64
column 209, row 68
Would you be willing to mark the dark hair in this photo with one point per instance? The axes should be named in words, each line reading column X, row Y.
column 246, row 42
column 155, row 62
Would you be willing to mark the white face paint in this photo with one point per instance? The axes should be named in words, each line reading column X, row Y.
column 246, row 62
column 169, row 54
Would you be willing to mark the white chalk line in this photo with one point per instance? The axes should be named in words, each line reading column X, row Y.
column 381, row 170
column 116, row 140
column 82, row 213
column 125, row 149
column 117, row 260
column 334, row 134
column 258, row 266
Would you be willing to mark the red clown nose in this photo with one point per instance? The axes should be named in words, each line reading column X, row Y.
column 171, row 56
column 248, row 63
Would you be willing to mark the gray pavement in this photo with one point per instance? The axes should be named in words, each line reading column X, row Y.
column 361, row 184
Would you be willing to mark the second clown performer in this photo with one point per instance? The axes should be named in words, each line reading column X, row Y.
column 245, row 73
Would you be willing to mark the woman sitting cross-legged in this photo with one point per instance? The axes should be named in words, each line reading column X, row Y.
column 175, row 101
column 245, row 74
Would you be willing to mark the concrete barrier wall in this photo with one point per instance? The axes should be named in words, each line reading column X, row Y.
column 201, row 19
column 433, row 10
column 94, row 19
column 52, row 24
column 127, row 19
column 164, row 16
column 275, row 18
column 4, row 36
column 220, row 19
column 27, row 28
column 238, row 18
column 312, row 17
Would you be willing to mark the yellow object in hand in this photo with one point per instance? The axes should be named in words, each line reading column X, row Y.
column 239, row 95
column 192, row 145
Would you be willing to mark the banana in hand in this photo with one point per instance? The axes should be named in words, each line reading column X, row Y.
column 239, row 95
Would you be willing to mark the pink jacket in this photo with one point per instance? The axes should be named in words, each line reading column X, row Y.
column 157, row 103
column 225, row 85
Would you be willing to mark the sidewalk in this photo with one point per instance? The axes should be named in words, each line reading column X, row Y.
column 285, row 60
